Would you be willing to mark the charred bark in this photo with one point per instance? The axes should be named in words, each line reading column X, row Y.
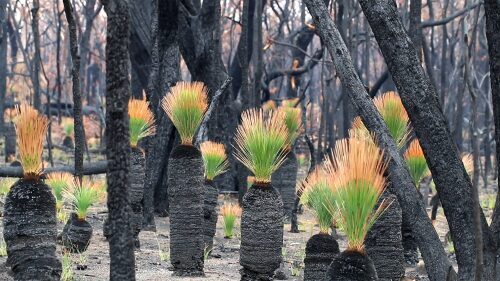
column 185, row 178
column 261, row 233
column 352, row 266
column 321, row 249
column 10, row 141
column 76, row 234
column 210, row 194
column 284, row 180
column 136, row 192
column 30, row 231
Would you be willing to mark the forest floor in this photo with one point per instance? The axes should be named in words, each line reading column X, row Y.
column 152, row 260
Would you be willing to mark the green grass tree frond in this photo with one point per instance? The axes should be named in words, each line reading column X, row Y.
column 214, row 159
column 415, row 160
column 142, row 120
column 59, row 182
column 230, row 212
column 6, row 184
column 186, row 105
column 68, row 127
column 395, row 116
column 31, row 127
column 357, row 182
column 316, row 193
column 261, row 143
column 293, row 122
column 82, row 196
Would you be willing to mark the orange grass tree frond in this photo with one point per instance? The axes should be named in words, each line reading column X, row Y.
column 31, row 128
column 269, row 105
column 214, row 159
column 395, row 116
column 186, row 105
column 261, row 143
column 293, row 121
column 415, row 160
column 356, row 169
column 142, row 120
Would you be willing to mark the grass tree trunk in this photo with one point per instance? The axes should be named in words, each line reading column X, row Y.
column 383, row 241
column 410, row 246
column 210, row 194
column 185, row 177
column 10, row 141
column 76, row 234
column 352, row 266
column 321, row 249
column 284, row 180
column 261, row 233
column 68, row 142
column 137, row 176
column 30, row 231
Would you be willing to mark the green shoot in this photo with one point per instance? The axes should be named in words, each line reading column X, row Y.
column 229, row 214
column 82, row 197
column 59, row 182
column 141, row 120
column 214, row 159
column 5, row 185
column 293, row 122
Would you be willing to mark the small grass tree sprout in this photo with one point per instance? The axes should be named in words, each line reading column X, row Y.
column 82, row 196
column 230, row 212
column 59, row 182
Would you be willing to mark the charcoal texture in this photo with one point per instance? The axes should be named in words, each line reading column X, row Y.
column 261, row 233
column 352, row 266
column 284, row 180
column 30, row 231
column 210, row 194
column 76, row 234
column 10, row 141
column 137, row 176
column 321, row 249
column 410, row 245
column 186, row 183
column 68, row 142
column 383, row 241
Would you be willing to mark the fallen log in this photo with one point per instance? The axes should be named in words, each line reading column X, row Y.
column 93, row 168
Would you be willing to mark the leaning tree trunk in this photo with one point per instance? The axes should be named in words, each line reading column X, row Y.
column 383, row 241
column 30, row 231
column 321, row 249
column 352, row 266
column 137, row 176
column 10, row 141
column 261, row 233
column 76, row 234
column 185, row 178
column 284, row 180
column 210, row 194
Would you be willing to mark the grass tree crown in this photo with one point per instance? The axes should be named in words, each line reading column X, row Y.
column 356, row 171
column 214, row 159
column 31, row 127
column 415, row 160
column 82, row 195
column 293, row 122
column 142, row 120
column 316, row 193
column 186, row 105
column 261, row 143
column 59, row 182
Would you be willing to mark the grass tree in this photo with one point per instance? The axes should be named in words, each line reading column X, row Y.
column 30, row 208
column 415, row 160
column 215, row 163
column 230, row 212
column 316, row 194
column 58, row 182
column 141, row 125
column 68, row 127
column 357, row 182
column 285, row 177
column 186, row 105
column 261, row 147
column 77, row 231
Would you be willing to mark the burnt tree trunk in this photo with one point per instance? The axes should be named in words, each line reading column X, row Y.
column 383, row 241
column 10, row 141
column 352, row 266
column 35, row 72
column 210, row 194
column 3, row 62
column 284, row 180
column 30, row 231
column 413, row 208
column 121, row 244
column 77, row 95
column 321, row 249
column 261, row 233
column 76, row 234
column 136, row 192
column 185, row 178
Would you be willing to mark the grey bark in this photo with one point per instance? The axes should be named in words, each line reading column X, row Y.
column 30, row 231
column 321, row 249
column 77, row 95
column 121, row 244
column 261, row 233
column 436, row 261
column 383, row 241
column 76, row 234
column 137, row 175
column 185, row 178
column 284, row 180
column 210, row 194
